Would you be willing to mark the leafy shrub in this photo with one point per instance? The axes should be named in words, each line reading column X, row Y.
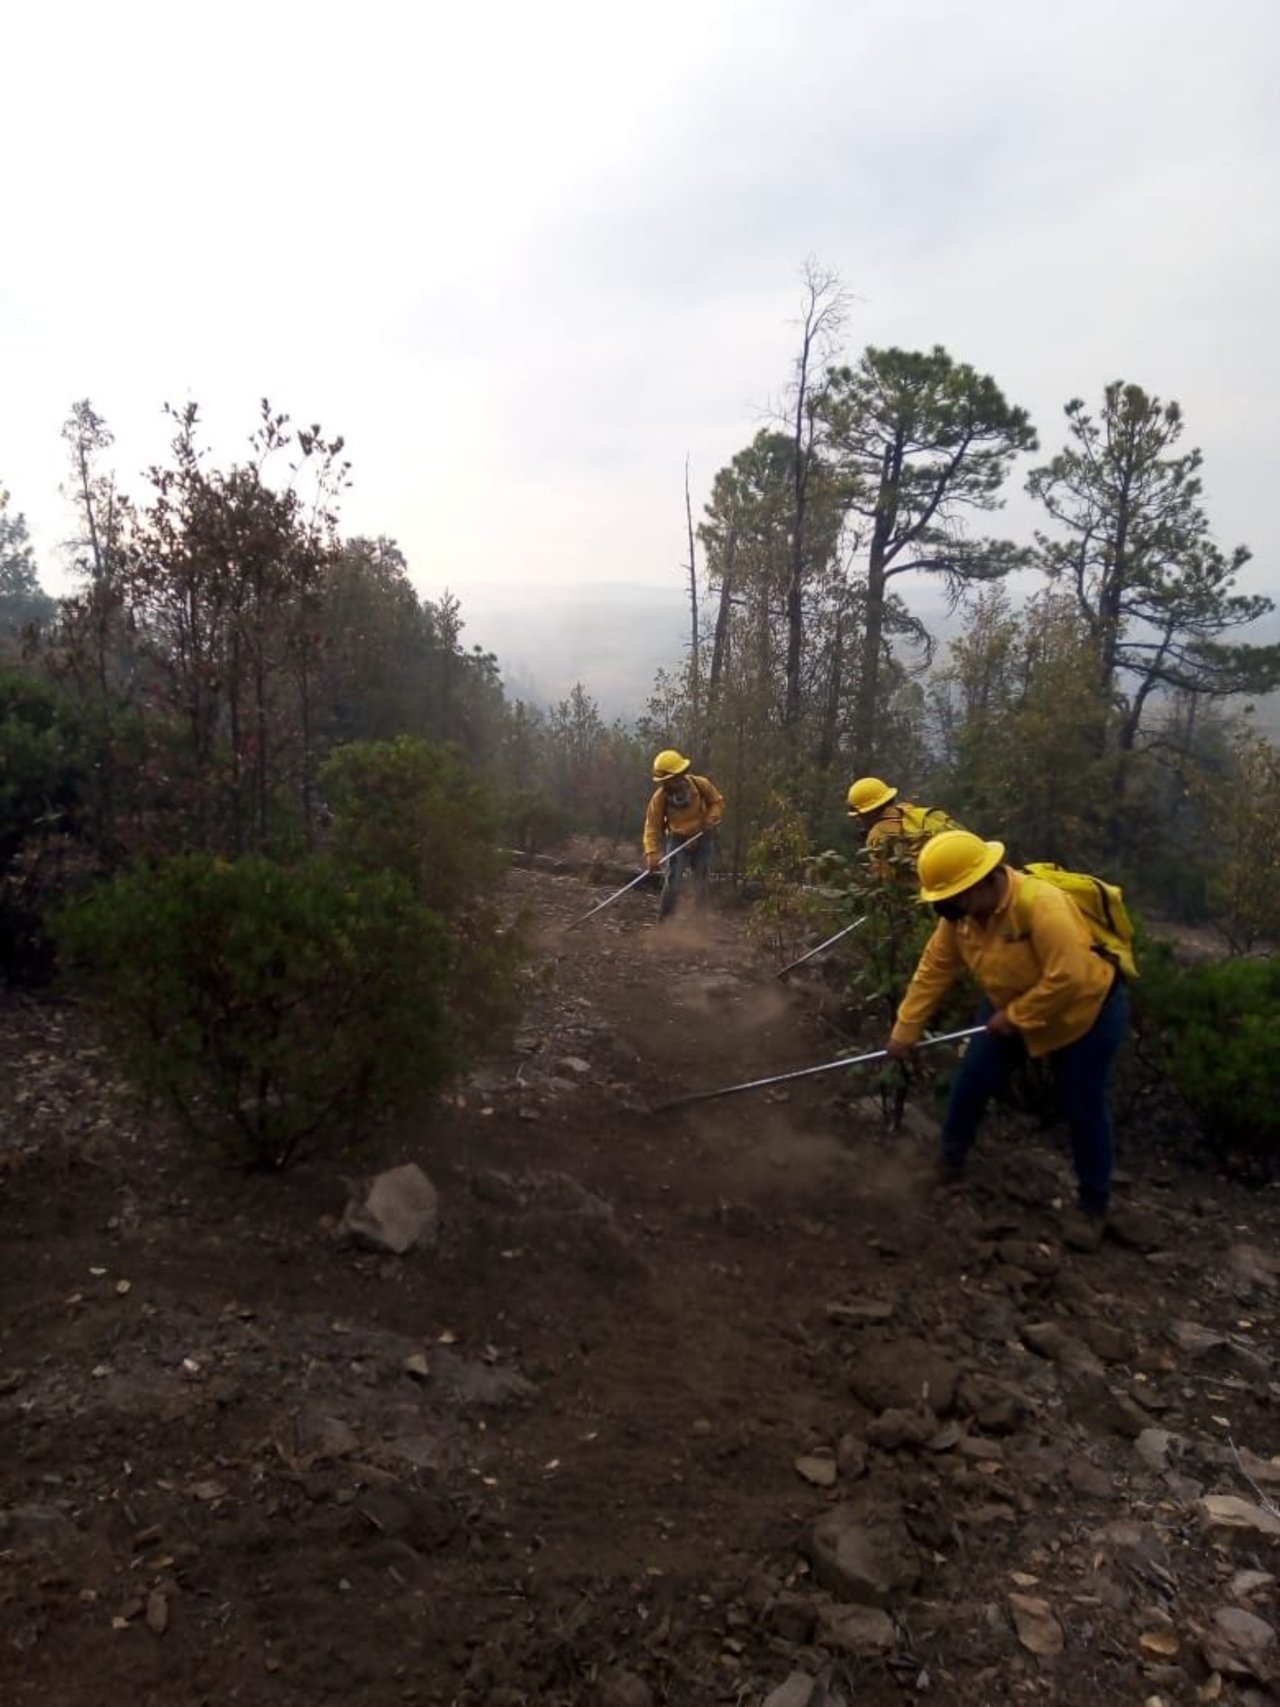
column 414, row 809
column 273, row 1007
column 785, row 904
column 533, row 820
column 1215, row 1029
column 44, row 774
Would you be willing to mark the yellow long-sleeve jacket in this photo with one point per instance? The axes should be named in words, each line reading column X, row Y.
column 903, row 828
column 682, row 810
column 1034, row 958
column 889, row 835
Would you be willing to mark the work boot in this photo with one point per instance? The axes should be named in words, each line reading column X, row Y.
column 1082, row 1229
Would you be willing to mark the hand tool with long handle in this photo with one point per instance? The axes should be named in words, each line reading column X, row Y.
column 610, row 899
column 807, row 1072
column 792, row 964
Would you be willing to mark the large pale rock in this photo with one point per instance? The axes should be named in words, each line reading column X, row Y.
column 1230, row 1512
column 861, row 1630
column 996, row 1407
column 1193, row 1339
column 1241, row 1644
column 902, row 1375
column 866, row 1557
column 401, row 1210
column 895, row 1429
column 1264, row 1471
column 817, row 1470
column 800, row 1690
column 1038, row 1629
column 1153, row 1446
column 1252, row 1267
column 1050, row 1340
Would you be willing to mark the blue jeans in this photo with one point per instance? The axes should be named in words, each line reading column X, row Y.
column 695, row 863
column 1082, row 1071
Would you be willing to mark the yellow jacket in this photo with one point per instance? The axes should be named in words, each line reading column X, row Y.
column 890, row 829
column 682, row 810
column 1046, row 977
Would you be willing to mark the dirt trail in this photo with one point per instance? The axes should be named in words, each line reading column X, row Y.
column 697, row 1402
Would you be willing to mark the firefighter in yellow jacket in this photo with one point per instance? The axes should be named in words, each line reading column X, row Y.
column 892, row 826
column 681, row 807
column 1047, row 991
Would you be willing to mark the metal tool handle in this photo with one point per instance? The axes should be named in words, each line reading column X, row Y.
column 608, row 901
column 792, row 964
column 808, row 1072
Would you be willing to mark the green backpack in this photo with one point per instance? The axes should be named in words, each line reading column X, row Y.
column 1101, row 903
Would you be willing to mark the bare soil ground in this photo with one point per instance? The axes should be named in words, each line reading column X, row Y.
column 725, row 1404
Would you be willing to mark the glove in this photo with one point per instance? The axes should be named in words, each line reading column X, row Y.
column 652, row 861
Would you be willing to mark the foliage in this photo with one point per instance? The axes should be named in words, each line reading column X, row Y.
column 22, row 600
column 45, row 769
column 43, row 762
column 374, row 639
column 887, row 946
column 531, row 820
column 1017, row 713
column 274, row 1008
column 916, row 440
column 777, row 864
column 415, row 809
column 597, row 771
column 1245, row 824
column 1134, row 550
column 198, row 611
column 1215, row 1028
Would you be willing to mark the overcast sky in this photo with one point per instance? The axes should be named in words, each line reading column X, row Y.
column 526, row 257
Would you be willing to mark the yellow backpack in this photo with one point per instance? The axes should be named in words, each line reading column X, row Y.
column 919, row 823
column 1101, row 903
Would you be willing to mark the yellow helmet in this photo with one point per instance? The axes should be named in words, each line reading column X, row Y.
column 669, row 763
column 953, row 862
column 868, row 794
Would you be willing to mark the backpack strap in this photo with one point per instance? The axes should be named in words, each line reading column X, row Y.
column 1023, row 900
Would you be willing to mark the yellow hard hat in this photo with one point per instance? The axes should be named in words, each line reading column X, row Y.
column 953, row 862
column 669, row 763
column 868, row 794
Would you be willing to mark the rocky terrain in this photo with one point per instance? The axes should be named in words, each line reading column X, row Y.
column 592, row 1404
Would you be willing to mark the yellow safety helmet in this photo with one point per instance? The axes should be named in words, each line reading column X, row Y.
column 669, row 763
column 868, row 794
column 953, row 862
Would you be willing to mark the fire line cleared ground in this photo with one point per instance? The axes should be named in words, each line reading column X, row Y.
column 726, row 1404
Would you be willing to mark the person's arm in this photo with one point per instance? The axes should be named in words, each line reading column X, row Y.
column 713, row 802
column 653, row 822
column 939, row 967
column 1065, row 956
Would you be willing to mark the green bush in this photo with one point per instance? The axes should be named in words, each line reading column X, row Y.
column 44, row 782
column 1215, row 1030
column 534, row 820
column 413, row 808
column 273, row 1007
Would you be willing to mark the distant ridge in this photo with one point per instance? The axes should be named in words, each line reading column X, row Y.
column 613, row 638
